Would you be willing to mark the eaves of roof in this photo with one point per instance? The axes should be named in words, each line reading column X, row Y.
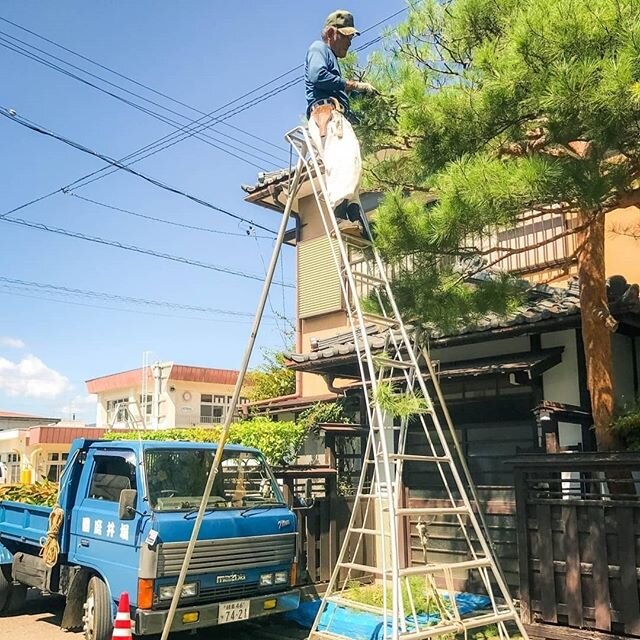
column 547, row 309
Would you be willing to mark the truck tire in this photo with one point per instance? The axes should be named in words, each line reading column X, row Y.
column 98, row 621
column 5, row 585
column 12, row 596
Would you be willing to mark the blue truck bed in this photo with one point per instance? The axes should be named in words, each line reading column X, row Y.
column 26, row 523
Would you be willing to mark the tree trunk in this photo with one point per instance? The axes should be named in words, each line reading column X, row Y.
column 597, row 325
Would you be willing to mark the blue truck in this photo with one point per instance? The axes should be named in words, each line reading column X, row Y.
column 126, row 513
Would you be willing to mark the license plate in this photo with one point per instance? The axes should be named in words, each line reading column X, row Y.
column 233, row 611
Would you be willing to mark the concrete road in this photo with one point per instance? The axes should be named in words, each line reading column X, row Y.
column 41, row 621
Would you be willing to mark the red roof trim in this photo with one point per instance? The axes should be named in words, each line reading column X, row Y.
column 62, row 435
column 179, row 372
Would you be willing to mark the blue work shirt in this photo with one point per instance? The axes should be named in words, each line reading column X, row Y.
column 322, row 77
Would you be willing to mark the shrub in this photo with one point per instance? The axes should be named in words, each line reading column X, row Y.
column 279, row 441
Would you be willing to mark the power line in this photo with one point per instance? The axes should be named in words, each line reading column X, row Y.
column 126, row 247
column 104, row 171
column 133, row 81
column 15, row 291
column 102, row 295
column 198, row 126
column 182, row 225
column 76, row 145
column 204, row 137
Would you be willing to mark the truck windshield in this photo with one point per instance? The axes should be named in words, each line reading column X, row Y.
column 176, row 479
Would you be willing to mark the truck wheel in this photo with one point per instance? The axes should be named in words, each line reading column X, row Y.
column 5, row 585
column 98, row 623
column 12, row 596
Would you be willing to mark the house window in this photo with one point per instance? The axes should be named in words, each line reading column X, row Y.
column 117, row 410
column 55, row 464
column 12, row 463
column 213, row 408
column 146, row 406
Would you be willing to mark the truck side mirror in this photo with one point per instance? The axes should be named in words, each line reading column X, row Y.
column 127, row 504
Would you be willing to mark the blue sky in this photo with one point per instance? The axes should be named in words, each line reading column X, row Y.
column 204, row 56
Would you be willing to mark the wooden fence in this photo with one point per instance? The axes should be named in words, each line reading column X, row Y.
column 322, row 526
column 578, row 517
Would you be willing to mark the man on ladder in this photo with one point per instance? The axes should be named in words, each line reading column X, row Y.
column 330, row 118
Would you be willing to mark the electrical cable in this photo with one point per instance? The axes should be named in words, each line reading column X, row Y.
column 76, row 145
column 126, row 247
column 15, row 292
column 204, row 137
column 187, row 131
column 73, row 291
column 181, row 225
column 81, row 181
column 136, row 82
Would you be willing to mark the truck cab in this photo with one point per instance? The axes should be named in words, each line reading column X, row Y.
column 129, row 509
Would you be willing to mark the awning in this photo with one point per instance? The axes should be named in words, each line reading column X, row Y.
column 530, row 364
column 524, row 366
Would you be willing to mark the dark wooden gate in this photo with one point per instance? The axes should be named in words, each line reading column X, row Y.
column 322, row 526
column 578, row 521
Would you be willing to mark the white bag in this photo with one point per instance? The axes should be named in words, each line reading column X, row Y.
column 340, row 153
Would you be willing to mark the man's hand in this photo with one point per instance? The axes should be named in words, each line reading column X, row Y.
column 363, row 87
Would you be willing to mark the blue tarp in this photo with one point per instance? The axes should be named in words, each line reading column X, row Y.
column 361, row 625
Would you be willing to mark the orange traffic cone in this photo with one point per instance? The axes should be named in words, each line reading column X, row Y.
column 122, row 623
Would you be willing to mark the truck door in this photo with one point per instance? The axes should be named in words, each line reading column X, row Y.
column 99, row 539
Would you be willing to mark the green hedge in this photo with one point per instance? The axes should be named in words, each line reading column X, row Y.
column 279, row 441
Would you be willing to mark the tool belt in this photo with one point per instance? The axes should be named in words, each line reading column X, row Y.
column 322, row 112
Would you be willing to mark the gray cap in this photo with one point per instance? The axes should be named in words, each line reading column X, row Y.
column 343, row 21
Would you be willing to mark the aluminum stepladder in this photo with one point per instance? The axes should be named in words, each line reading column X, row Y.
column 379, row 489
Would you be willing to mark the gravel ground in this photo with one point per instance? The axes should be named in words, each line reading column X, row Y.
column 41, row 621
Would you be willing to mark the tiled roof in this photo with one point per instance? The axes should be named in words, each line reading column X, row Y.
column 203, row 374
column 544, row 303
column 13, row 414
column 179, row 372
column 266, row 179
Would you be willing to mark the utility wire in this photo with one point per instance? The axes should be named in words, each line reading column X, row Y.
column 96, row 175
column 198, row 126
column 134, row 249
column 204, row 137
column 102, row 295
column 17, row 291
column 76, row 145
column 133, row 81
column 182, row 225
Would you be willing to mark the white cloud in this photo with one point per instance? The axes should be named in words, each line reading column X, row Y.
column 12, row 343
column 31, row 378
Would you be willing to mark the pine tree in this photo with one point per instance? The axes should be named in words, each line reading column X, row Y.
column 491, row 110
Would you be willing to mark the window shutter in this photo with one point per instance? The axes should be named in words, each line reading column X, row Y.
column 318, row 282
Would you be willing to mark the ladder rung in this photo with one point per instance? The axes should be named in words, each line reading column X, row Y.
column 369, row 532
column 417, row 458
column 391, row 363
column 439, row 630
column 345, row 602
column 356, row 241
column 383, row 320
column 325, row 635
column 434, row 568
column 430, row 511
column 354, row 566
column 366, row 277
column 373, row 496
